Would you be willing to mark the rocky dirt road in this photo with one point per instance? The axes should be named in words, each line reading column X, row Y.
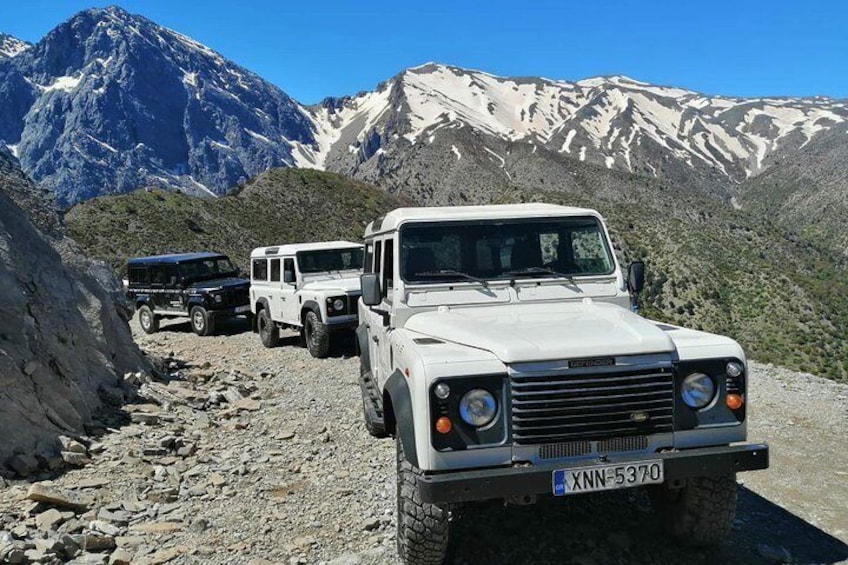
column 249, row 455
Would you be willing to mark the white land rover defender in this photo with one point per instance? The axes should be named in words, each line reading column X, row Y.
column 500, row 347
column 312, row 288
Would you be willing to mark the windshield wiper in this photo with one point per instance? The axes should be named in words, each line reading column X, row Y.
column 452, row 273
column 539, row 271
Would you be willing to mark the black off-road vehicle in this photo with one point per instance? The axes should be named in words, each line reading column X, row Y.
column 203, row 287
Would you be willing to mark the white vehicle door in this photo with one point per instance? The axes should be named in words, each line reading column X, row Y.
column 274, row 282
column 379, row 317
column 289, row 306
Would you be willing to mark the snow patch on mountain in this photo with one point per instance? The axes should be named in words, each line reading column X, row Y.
column 12, row 46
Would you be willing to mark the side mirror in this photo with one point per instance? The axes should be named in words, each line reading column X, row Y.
column 370, row 283
column 636, row 277
column 288, row 276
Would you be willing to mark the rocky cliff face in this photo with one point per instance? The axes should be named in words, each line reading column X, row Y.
column 64, row 338
column 110, row 102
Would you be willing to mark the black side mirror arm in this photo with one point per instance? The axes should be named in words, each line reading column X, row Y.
column 635, row 283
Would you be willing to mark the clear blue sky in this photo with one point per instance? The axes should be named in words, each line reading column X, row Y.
column 315, row 49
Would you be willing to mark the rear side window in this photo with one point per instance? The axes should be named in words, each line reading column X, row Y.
column 259, row 272
column 275, row 270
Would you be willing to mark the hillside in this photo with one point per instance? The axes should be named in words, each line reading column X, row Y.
column 278, row 206
column 807, row 191
column 709, row 266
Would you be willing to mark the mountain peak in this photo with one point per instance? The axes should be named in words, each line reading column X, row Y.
column 11, row 46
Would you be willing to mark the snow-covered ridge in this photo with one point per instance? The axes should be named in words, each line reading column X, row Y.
column 616, row 121
column 12, row 46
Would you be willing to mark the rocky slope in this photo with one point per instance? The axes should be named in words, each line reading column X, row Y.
column 64, row 338
column 11, row 46
column 248, row 455
column 279, row 206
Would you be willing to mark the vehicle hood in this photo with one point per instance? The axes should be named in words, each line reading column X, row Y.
column 214, row 284
column 518, row 333
column 346, row 285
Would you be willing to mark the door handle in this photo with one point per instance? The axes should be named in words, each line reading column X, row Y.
column 375, row 339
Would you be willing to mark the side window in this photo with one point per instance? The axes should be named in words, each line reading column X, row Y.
column 138, row 275
column 260, row 270
column 368, row 261
column 288, row 270
column 378, row 256
column 171, row 275
column 388, row 269
column 157, row 275
column 275, row 270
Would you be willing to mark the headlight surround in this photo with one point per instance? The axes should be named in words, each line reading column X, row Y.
column 478, row 407
column 698, row 390
column 338, row 304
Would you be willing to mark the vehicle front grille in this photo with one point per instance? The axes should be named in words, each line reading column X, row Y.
column 578, row 448
column 608, row 405
column 238, row 296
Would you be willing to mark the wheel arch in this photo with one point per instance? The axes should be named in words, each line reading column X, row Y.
column 398, row 416
column 310, row 306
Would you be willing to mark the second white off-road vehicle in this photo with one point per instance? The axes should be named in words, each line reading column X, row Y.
column 500, row 347
column 312, row 288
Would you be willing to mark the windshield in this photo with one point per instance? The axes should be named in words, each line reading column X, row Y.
column 504, row 250
column 330, row 260
column 207, row 269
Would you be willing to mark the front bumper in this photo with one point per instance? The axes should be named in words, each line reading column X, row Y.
column 230, row 311
column 504, row 482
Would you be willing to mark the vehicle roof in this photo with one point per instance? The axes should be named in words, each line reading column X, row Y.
column 398, row 216
column 292, row 248
column 174, row 258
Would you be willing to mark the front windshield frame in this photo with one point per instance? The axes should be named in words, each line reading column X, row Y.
column 533, row 272
column 355, row 264
column 189, row 272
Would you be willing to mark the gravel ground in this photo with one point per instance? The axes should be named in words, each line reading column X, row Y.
column 250, row 455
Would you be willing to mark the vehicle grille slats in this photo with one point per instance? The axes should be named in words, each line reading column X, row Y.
column 599, row 406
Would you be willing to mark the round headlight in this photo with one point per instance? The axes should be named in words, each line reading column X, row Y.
column 698, row 390
column 218, row 298
column 338, row 304
column 478, row 407
column 734, row 369
column 442, row 391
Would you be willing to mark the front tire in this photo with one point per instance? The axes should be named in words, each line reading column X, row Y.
column 422, row 528
column 148, row 320
column 701, row 513
column 317, row 335
column 201, row 322
column 269, row 333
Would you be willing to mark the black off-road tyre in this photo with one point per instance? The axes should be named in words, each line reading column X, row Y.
column 201, row 322
column 148, row 321
column 701, row 513
column 269, row 333
column 422, row 528
column 317, row 335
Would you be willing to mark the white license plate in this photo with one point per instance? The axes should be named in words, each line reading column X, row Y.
column 242, row 309
column 606, row 477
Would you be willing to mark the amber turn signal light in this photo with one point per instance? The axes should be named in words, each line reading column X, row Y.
column 444, row 425
column 734, row 401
